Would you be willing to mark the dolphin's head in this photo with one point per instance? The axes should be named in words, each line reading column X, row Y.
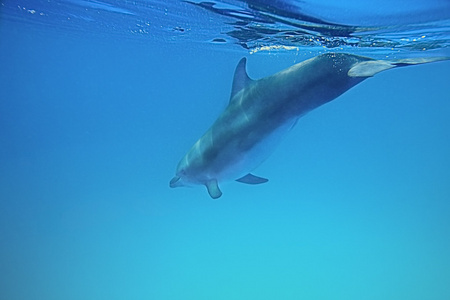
column 176, row 181
column 211, row 185
column 185, row 174
column 180, row 179
column 189, row 173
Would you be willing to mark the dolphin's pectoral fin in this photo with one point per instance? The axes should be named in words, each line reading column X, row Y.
column 252, row 179
column 213, row 189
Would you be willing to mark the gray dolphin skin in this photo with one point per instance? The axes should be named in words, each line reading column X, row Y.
column 261, row 112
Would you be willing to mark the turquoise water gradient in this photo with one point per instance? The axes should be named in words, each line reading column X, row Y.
column 91, row 130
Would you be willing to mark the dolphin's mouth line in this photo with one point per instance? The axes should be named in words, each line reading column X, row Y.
column 175, row 182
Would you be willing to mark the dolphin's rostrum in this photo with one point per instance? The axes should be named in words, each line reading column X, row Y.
column 261, row 111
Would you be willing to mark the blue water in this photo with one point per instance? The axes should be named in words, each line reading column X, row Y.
column 94, row 117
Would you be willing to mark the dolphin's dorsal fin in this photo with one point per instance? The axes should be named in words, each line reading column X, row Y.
column 252, row 179
column 241, row 79
column 213, row 189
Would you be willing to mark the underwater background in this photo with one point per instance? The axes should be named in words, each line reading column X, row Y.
column 100, row 99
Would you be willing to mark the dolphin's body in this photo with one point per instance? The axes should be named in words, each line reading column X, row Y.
column 260, row 112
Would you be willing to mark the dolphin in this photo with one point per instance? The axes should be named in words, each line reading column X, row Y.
column 260, row 112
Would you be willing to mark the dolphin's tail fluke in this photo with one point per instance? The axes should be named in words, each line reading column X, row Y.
column 371, row 67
